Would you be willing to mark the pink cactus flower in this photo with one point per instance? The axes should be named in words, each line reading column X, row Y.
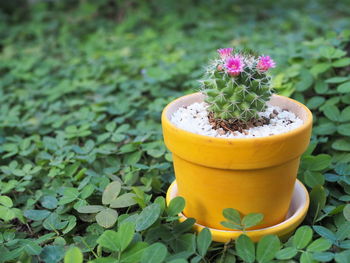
column 225, row 52
column 265, row 63
column 234, row 65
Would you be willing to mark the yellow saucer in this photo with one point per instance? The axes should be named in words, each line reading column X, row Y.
column 296, row 214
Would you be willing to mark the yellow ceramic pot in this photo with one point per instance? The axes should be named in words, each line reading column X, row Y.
column 249, row 174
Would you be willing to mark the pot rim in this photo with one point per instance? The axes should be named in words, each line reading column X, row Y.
column 301, row 129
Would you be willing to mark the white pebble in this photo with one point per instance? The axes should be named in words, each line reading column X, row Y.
column 194, row 118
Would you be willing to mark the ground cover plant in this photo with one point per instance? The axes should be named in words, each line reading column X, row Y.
column 83, row 169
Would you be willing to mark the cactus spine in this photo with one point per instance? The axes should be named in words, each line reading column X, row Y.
column 237, row 86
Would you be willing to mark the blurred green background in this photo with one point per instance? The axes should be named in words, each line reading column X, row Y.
column 82, row 87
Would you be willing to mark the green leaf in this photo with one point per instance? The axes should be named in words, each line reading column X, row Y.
column 320, row 68
column 52, row 254
column 323, row 256
column 111, row 192
column 54, row 222
column 343, row 231
column 69, row 195
column 73, row 255
column 132, row 158
column 344, row 88
column 302, row 237
column 344, row 129
column 326, row 52
column 317, row 201
column 160, row 200
column 36, row 215
column 186, row 242
column 324, row 232
column 318, row 162
column 306, row 80
column 8, row 256
column 337, row 79
column 341, row 145
column 252, row 219
column 267, row 248
column 49, row 202
column 184, row 226
column 72, row 222
column 321, row 87
column 103, row 260
column 245, row 249
column 232, row 215
column 70, row 170
column 346, row 212
column 330, row 52
column 306, row 257
column 107, row 217
column 147, row 217
column 31, row 247
column 231, row 225
column 6, row 213
column 319, row 245
column 125, row 200
column 180, row 260
column 342, row 257
column 127, row 148
column 286, row 253
column 327, row 128
column 176, row 206
column 345, row 114
column 107, row 240
column 343, row 62
column 125, row 234
column 134, row 253
column 156, row 253
column 90, row 209
column 332, row 112
column 203, row 241
column 315, row 102
column 313, row 179
column 6, row 201
column 87, row 191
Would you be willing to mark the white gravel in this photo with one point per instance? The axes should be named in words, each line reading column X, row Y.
column 194, row 118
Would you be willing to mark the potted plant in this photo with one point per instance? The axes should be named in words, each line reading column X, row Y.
column 235, row 144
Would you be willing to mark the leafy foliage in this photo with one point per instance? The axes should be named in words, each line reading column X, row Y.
column 237, row 222
column 83, row 169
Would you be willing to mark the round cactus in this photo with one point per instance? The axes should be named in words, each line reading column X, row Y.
column 237, row 86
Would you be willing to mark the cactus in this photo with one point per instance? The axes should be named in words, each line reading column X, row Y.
column 237, row 86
